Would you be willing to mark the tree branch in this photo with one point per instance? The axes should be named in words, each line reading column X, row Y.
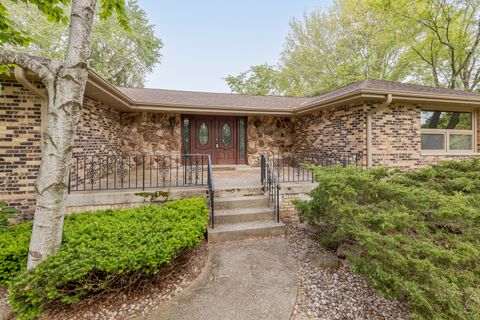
column 43, row 68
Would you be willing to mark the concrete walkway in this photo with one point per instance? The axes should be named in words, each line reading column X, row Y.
column 245, row 280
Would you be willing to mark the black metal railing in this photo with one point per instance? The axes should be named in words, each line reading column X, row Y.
column 211, row 192
column 270, row 183
column 290, row 167
column 138, row 171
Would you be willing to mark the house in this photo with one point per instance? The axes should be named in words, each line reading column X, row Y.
column 378, row 122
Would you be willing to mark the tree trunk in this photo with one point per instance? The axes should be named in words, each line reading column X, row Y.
column 65, row 99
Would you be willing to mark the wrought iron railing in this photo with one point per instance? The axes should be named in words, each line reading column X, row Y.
column 290, row 167
column 270, row 183
column 138, row 171
column 211, row 192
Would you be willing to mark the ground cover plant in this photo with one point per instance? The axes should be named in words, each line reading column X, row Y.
column 102, row 251
column 5, row 213
column 415, row 235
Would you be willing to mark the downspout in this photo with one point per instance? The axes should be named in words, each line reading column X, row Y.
column 21, row 78
column 386, row 103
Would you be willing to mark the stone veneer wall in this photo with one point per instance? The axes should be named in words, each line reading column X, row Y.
column 268, row 134
column 396, row 137
column 151, row 132
column 20, row 145
column 335, row 132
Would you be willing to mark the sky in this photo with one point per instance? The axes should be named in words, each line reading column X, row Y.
column 205, row 41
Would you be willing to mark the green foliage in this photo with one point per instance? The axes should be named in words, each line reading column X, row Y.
column 12, row 34
column 14, row 243
column 101, row 251
column 258, row 80
column 427, row 42
column 414, row 235
column 153, row 196
column 5, row 213
column 124, row 56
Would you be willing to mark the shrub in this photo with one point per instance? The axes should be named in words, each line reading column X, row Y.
column 415, row 235
column 107, row 250
column 14, row 242
column 5, row 213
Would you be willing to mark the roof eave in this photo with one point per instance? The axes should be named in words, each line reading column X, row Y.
column 214, row 110
column 401, row 96
column 105, row 88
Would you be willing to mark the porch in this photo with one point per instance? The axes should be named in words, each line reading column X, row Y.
column 244, row 201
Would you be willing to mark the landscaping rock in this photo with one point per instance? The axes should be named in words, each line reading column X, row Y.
column 324, row 260
column 333, row 293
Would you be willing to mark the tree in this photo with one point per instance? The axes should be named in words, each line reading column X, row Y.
column 258, row 80
column 445, row 35
column 124, row 58
column 329, row 49
column 65, row 83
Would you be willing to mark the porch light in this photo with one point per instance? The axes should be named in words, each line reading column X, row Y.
column 173, row 123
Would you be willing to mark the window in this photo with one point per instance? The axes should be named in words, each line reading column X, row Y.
column 241, row 139
column 203, row 134
column 186, row 135
column 447, row 131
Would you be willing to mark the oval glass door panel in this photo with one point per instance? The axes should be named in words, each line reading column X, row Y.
column 203, row 134
column 226, row 134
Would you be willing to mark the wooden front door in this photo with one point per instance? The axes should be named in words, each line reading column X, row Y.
column 203, row 135
column 225, row 140
column 216, row 136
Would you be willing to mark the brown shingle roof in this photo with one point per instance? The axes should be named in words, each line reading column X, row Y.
column 384, row 85
column 209, row 99
column 228, row 100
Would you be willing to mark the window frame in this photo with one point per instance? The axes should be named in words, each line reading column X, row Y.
column 447, row 132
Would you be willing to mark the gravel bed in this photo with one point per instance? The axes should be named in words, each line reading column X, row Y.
column 333, row 293
column 136, row 303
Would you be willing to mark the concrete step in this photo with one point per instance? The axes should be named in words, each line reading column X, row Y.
column 246, row 230
column 241, row 202
column 237, row 192
column 230, row 216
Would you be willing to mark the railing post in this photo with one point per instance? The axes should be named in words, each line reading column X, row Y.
column 70, row 178
column 143, row 172
column 278, row 203
column 262, row 169
column 212, row 207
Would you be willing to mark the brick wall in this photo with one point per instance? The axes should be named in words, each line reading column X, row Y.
column 99, row 131
column 396, row 139
column 335, row 132
column 287, row 209
column 20, row 146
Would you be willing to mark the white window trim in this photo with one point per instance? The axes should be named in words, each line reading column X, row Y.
column 448, row 132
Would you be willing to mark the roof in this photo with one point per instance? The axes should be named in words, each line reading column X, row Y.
column 210, row 99
column 370, row 90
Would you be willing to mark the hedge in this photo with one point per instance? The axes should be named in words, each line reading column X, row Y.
column 414, row 235
column 101, row 250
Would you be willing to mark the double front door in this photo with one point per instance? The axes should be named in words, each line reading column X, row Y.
column 222, row 137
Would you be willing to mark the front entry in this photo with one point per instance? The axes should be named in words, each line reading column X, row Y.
column 222, row 137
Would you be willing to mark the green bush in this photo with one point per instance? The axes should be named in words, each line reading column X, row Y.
column 14, row 242
column 104, row 250
column 5, row 213
column 414, row 235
